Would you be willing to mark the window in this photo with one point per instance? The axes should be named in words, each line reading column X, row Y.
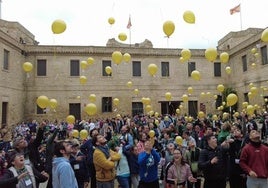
column 106, row 104
column 74, row 68
column 6, row 60
column 264, row 55
column 137, row 108
column 191, row 68
column 217, row 69
column 40, row 110
column 218, row 101
column 105, row 64
column 165, row 69
column 136, row 68
column 41, row 67
column 4, row 114
column 244, row 63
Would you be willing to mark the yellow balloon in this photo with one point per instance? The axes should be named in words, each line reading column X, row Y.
column 53, row 103
column 116, row 101
column 253, row 50
column 91, row 109
column 75, row 133
column 83, row 134
column 108, row 70
column 224, row 57
column 83, row 79
column 83, row 64
column 156, row 122
column 90, row 61
column 264, row 35
column 111, row 20
column 122, row 36
column 117, row 57
column 179, row 140
column 156, row 114
column 184, row 98
column 92, row 98
column 148, row 108
column 186, row 54
column 70, row 119
column 42, row 101
column 254, row 90
column 189, row 17
column 231, row 99
column 201, row 114
column 152, row 69
column 129, row 84
column 182, row 60
column 151, row 133
column 27, row 67
column 215, row 97
column 195, row 75
column 250, row 109
column 190, row 90
column 168, row 96
column 126, row 57
column 228, row 70
column 168, row 28
column 215, row 117
column 220, row 88
column 136, row 91
column 58, row 26
column 211, row 54
column 178, row 111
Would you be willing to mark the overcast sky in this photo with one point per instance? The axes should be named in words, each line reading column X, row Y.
column 87, row 20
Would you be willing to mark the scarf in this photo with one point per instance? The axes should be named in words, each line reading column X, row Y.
column 105, row 150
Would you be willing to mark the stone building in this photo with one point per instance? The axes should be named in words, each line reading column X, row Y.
column 57, row 70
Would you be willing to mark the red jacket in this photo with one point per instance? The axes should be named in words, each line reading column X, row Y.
column 255, row 157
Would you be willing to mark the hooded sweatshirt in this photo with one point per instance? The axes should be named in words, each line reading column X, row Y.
column 63, row 174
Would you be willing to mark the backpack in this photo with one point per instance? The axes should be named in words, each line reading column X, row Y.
column 166, row 172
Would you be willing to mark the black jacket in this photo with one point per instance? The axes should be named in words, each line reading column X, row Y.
column 216, row 171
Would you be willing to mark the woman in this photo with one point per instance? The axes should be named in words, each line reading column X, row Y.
column 178, row 172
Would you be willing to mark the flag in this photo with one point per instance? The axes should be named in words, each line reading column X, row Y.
column 235, row 9
column 129, row 23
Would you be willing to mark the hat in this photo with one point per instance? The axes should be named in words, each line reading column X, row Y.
column 16, row 141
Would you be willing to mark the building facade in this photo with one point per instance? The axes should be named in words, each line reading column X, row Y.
column 57, row 70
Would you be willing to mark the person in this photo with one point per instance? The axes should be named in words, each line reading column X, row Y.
column 254, row 161
column 88, row 149
column 7, row 179
column 123, row 169
column 148, row 166
column 213, row 162
column 17, row 165
column 104, row 161
column 62, row 173
column 178, row 172
column 132, row 157
column 79, row 164
column 237, row 177
column 193, row 156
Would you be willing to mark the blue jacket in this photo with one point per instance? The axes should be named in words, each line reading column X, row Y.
column 63, row 174
column 148, row 164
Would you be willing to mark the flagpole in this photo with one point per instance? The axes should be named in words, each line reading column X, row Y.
column 130, row 37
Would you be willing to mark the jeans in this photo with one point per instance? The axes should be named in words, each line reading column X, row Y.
column 257, row 182
column 124, row 182
column 105, row 184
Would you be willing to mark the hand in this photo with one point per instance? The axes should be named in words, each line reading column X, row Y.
column 110, row 158
column 45, row 174
column 214, row 160
column 22, row 175
column 252, row 174
column 79, row 158
column 86, row 184
column 192, row 179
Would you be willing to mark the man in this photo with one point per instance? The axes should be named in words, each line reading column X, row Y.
column 254, row 161
column 148, row 166
column 62, row 173
column 104, row 161
column 213, row 162
column 126, row 138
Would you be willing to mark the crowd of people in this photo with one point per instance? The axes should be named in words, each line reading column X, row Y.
column 140, row 151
